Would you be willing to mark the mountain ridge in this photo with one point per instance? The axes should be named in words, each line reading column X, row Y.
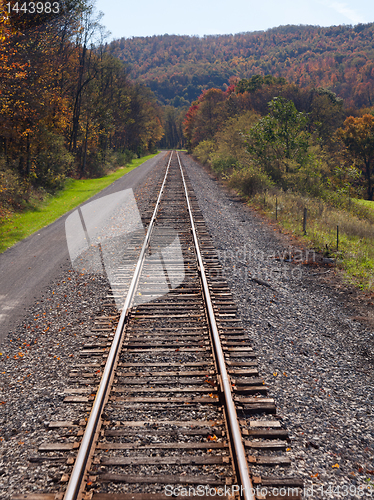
column 179, row 67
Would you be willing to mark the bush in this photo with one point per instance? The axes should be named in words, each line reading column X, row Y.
column 100, row 162
column 12, row 190
column 231, row 139
column 307, row 179
column 122, row 158
column 250, row 181
column 204, row 150
column 223, row 163
column 51, row 166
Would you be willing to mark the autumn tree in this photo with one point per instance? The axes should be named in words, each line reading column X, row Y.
column 325, row 112
column 279, row 138
column 67, row 106
column 357, row 135
column 32, row 107
column 205, row 116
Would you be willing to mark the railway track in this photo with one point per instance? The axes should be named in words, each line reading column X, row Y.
column 176, row 403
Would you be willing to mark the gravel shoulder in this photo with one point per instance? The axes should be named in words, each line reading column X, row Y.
column 38, row 353
column 28, row 267
column 314, row 352
column 314, row 339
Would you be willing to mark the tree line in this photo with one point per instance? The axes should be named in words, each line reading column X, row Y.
column 179, row 68
column 67, row 106
column 265, row 131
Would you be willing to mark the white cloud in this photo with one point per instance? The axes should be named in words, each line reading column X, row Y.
column 345, row 11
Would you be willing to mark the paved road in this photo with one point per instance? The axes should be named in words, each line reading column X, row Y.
column 29, row 266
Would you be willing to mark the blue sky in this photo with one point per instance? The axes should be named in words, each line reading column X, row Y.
column 126, row 18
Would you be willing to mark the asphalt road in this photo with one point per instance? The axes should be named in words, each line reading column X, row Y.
column 29, row 266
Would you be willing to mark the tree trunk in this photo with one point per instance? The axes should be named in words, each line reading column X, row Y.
column 28, row 161
column 368, row 175
column 85, row 150
column 77, row 103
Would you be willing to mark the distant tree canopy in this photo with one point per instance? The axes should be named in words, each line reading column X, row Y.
column 179, row 68
column 257, row 82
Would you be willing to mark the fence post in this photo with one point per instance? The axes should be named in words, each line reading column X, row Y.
column 304, row 220
column 276, row 208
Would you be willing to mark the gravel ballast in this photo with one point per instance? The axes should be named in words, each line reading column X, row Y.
column 315, row 356
column 35, row 361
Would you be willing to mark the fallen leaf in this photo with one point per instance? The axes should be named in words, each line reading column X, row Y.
column 336, row 466
column 212, row 438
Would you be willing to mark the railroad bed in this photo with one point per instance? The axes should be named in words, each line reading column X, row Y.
column 165, row 422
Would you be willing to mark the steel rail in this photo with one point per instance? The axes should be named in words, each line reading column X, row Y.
column 79, row 469
column 247, row 488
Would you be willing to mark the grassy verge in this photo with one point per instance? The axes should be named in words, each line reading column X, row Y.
column 365, row 203
column 355, row 254
column 20, row 225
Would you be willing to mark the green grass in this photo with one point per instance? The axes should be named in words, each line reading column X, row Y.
column 365, row 203
column 356, row 233
column 20, row 225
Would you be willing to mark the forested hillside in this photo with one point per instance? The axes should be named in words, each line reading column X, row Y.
column 290, row 151
column 67, row 106
column 179, row 68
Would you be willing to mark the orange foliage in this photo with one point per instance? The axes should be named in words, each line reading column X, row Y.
column 338, row 57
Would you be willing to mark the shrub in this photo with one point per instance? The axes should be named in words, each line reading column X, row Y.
column 13, row 190
column 204, row 150
column 51, row 166
column 122, row 158
column 232, row 137
column 128, row 156
column 96, row 164
column 250, row 181
column 223, row 163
